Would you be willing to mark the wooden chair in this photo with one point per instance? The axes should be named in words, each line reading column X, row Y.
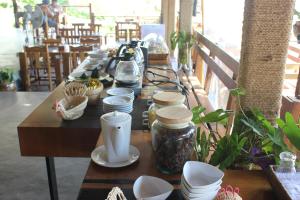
column 37, row 61
column 77, row 26
column 69, row 35
column 91, row 41
column 78, row 54
column 134, row 31
column 96, row 28
column 52, row 42
column 121, row 31
column 85, row 32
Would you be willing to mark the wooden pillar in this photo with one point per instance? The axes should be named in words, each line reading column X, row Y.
column 168, row 18
column 266, row 31
column 185, row 16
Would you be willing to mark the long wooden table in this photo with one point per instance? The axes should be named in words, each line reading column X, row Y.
column 45, row 134
column 99, row 180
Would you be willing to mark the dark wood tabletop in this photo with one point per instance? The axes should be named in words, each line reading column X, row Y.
column 99, row 180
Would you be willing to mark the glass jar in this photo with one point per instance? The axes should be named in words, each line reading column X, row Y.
column 173, row 136
column 163, row 99
column 287, row 162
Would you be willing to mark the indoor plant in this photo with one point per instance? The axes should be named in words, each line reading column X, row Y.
column 184, row 41
column 253, row 140
column 6, row 79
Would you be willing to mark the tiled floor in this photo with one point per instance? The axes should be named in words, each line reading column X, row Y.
column 25, row 178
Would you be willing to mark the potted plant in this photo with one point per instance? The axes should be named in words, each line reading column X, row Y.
column 253, row 142
column 184, row 41
column 6, row 80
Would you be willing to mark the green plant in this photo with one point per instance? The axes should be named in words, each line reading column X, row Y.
column 6, row 75
column 253, row 140
column 184, row 41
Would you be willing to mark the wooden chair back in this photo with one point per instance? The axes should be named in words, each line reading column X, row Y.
column 96, row 28
column 78, row 54
column 85, row 32
column 52, row 42
column 77, row 27
column 91, row 41
column 121, row 31
column 38, row 58
column 69, row 35
column 134, row 31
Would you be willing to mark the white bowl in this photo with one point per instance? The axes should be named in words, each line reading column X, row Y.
column 121, row 92
column 151, row 188
column 117, row 101
column 72, row 108
column 201, row 175
column 206, row 196
column 200, row 190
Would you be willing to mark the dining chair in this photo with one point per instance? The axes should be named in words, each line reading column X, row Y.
column 85, row 32
column 68, row 34
column 96, row 28
column 78, row 54
column 91, row 40
column 37, row 61
column 134, row 31
column 121, row 31
column 77, row 26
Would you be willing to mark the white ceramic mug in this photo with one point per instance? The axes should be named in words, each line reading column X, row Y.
column 116, row 130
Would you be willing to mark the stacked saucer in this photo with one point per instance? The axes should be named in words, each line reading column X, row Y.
column 117, row 103
column 200, row 181
column 121, row 92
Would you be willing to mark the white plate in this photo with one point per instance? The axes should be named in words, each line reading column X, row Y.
column 120, row 92
column 117, row 100
column 99, row 156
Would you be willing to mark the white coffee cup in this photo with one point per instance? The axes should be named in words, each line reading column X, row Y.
column 116, row 130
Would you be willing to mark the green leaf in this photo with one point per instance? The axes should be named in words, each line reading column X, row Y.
column 290, row 129
column 196, row 114
column 238, row 92
column 215, row 116
column 253, row 125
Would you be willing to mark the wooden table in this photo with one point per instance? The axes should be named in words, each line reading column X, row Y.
column 45, row 134
column 99, row 180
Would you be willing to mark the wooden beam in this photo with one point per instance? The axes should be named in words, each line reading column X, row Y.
column 231, row 63
column 226, row 80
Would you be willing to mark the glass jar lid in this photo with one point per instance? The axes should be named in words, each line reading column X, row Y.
column 174, row 115
column 168, row 98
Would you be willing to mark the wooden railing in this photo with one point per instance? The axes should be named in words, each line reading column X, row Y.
column 207, row 52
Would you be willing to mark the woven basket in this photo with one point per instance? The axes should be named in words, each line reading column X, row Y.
column 75, row 89
column 94, row 94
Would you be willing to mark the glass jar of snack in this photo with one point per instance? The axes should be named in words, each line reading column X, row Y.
column 163, row 99
column 173, row 136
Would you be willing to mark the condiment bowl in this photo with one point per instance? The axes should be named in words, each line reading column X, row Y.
column 199, row 175
column 151, row 188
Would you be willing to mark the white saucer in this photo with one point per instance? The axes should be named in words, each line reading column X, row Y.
column 99, row 156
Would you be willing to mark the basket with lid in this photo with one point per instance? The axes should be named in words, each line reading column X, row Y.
column 173, row 135
column 164, row 99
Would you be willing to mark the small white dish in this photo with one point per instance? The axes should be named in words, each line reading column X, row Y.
column 121, row 92
column 201, row 175
column 151, row 188
column 99, row 156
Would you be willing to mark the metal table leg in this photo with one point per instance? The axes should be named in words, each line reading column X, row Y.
column 51, row 178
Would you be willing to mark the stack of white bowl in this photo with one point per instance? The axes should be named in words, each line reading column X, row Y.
column 121, row 92
column 200, row 181
column 117, row 103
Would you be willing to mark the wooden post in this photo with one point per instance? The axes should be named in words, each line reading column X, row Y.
column 24, row 71
column 263, row 54
column 297, row 91
column 90, row 12
column 168, row 18
column 185, row 17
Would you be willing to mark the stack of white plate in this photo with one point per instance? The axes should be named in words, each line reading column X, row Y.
column 200, row 181
column 121, row 92
column 117, row 103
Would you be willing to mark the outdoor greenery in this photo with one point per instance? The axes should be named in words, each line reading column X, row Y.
column 6, row 75
column 253, row 141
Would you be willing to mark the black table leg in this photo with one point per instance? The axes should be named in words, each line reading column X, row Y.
column 51, row 178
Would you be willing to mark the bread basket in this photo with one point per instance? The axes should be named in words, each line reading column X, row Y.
column 75, row 89
column 72, row 107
